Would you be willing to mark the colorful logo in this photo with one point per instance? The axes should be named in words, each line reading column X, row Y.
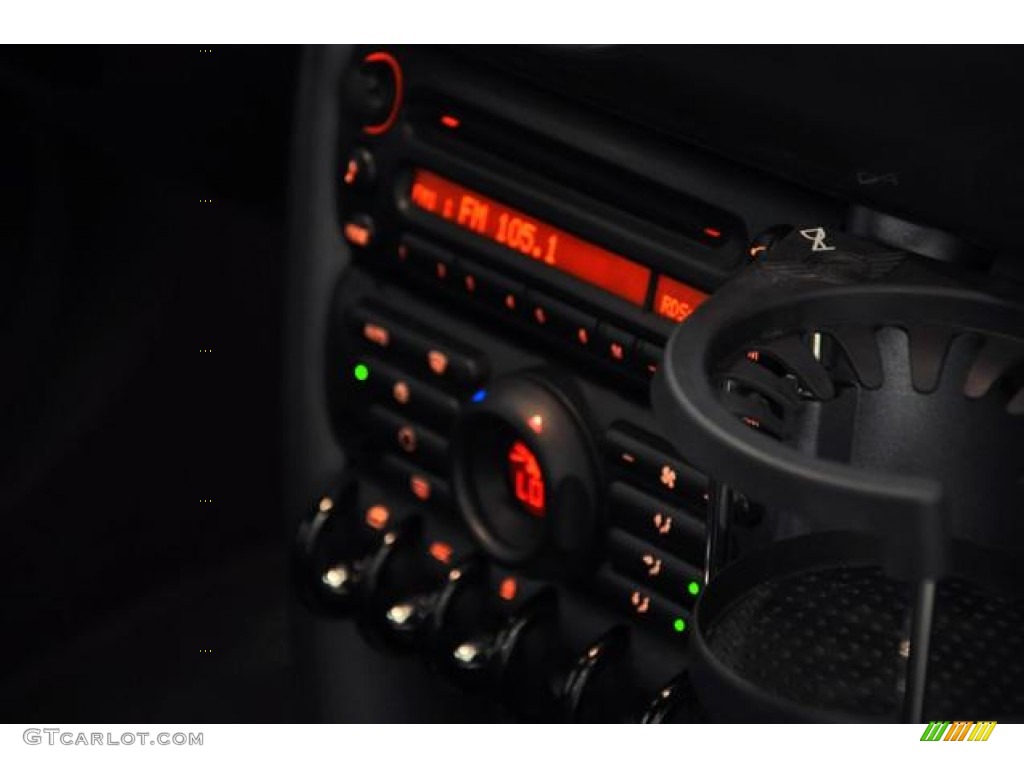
column 961, row 730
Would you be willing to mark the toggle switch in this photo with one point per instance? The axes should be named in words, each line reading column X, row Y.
column 507, row 651
column 592, row 690
column 340, row 549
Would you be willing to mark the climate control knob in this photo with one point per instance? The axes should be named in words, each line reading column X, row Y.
column 526, row 474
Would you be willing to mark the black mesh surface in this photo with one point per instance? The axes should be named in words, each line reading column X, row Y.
column 831, row 639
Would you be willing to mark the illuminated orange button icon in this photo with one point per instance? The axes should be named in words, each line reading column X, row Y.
column 653, row 564
column 441, row 552
column 753, row 355
column 536, row 423
column 376, row 334
column 470, row 282
column 407, row 439
column 400, row 392
column 540, row 315
column 641, row 603
column 510, row 301
column 668, row 477
column 438, row 361
column 377, row 516
column 450, row 121
column 582, row 335
column 357, row 234
column 662, row 523
column 351, row 171
column 420, row 487
column 508, row 588
column 441, row 270
column 616, row 350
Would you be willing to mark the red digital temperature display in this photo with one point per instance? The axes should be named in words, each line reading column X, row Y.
column 526, row 478
column 530, row 237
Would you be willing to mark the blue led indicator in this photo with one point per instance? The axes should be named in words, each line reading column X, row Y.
column 479, row 395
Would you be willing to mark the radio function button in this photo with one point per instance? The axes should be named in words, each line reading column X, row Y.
column 615, row 345
column 656, row 522
column 358, row 230
column 441, row 362
column 648, row 461
column 643, row 604
column 409, row 396
column 397, row 433
column 436, row 358
column 647, row 358
column 420, row 484
column 359, row 170
column 656, row 569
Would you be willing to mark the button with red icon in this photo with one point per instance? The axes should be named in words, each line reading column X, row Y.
column 615, row 345
column 664, row 525
column 395, row 432
column 561, row 321
column 419, row 484
column 358, row 170
column 435, row 358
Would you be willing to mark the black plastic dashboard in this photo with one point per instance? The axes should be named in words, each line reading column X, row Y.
column 491, row 250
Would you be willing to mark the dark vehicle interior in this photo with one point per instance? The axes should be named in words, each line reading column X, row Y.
column 610, row 383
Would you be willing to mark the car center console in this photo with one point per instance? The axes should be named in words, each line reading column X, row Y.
column 508, row 512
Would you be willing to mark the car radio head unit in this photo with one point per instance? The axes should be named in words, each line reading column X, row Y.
column 513, row 505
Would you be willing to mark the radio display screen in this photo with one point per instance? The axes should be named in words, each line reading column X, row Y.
column 530, row 237
column 676, row 300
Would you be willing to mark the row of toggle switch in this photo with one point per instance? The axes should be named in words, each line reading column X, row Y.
column 490, row 631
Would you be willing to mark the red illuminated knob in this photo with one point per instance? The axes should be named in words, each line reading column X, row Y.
column 375, row 92
column 525, row 474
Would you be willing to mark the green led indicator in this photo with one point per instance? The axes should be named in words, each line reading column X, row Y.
column 679, row 625
column 693, row 588
column 361, row 372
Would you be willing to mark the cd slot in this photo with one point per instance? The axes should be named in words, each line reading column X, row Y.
column 719, row 236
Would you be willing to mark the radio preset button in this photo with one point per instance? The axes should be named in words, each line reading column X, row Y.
column 615, row 344
column 427, row 261
column 562, row 321
column 490, row 288
column 647, row 358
